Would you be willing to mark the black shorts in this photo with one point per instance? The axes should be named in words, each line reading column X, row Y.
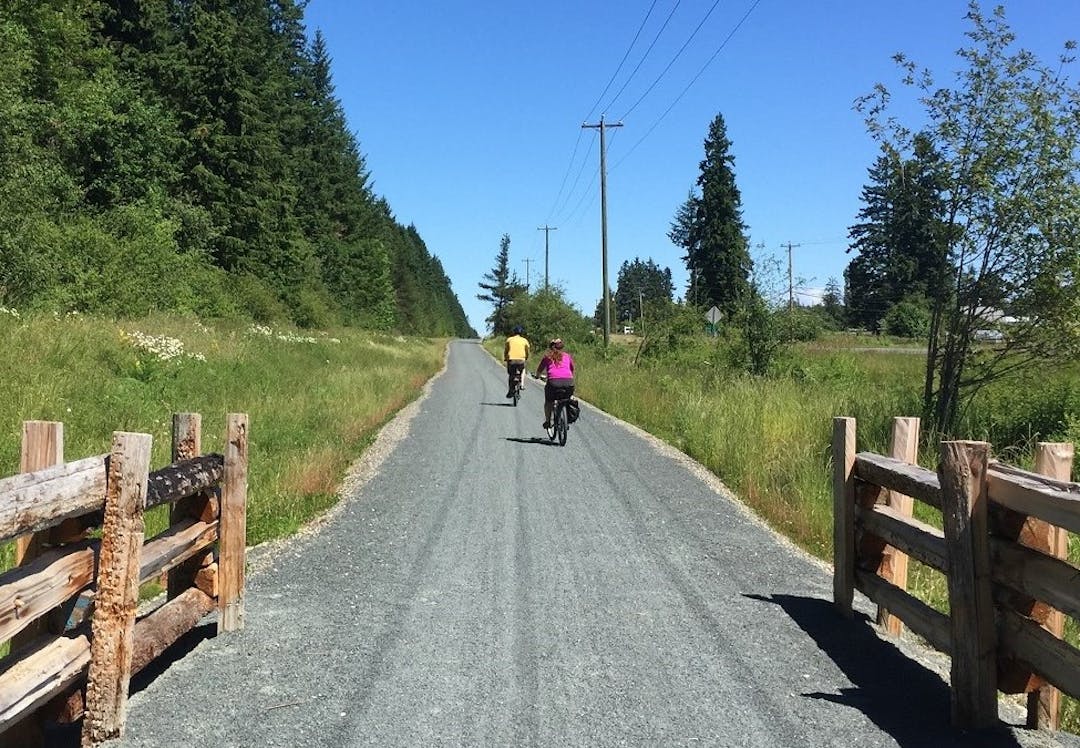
column 553, row 392
column 515, row 367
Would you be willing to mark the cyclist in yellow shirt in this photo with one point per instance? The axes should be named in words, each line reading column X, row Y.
column 515, row 354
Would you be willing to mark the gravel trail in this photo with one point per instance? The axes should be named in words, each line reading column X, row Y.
column 481, row 587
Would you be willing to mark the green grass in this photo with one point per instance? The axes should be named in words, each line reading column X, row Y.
column 314, row 400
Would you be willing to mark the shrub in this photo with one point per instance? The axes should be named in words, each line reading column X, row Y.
column 908, row 319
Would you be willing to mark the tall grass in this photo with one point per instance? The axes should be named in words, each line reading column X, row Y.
column 314, row 399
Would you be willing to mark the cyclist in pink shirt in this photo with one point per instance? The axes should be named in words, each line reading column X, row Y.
column 559, row 367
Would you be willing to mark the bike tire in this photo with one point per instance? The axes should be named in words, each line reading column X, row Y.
column 561, row 426
column 517, row 395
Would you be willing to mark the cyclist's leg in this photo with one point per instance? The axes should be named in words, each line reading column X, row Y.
column 510, row 378
column 549, row 402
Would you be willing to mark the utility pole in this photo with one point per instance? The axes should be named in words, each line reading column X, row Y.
column 527, row 260
column 790, row 283
column 547, row 232
column 641, row 309
column 602, row 126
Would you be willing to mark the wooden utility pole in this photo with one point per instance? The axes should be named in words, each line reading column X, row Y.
column 527, row 260
column 547, row 232
column 602, row 126
column 790, row 283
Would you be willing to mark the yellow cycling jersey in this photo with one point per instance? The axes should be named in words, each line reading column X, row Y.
column 517, row 348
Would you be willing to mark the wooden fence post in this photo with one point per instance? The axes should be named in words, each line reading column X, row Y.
column 186, row 444
column 233, row 525
column 894, row 563
column 843, row 449
column 113, row 622
column 42, row 447
column 962, row 475
column 1053, row 460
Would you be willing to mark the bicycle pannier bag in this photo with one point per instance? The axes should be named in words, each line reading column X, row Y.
column 573, row 410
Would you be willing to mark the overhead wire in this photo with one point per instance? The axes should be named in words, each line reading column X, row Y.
column 673, row 60
column 584, row 162
column 614, row 75
column 562, row 186
column 688, row 85
column 644, row 56
column 577, row 142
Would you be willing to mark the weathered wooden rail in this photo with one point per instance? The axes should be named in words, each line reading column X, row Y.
column 61, row 666
column 1003, row 551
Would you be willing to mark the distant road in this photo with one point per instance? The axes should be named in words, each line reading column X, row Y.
column 485, row 588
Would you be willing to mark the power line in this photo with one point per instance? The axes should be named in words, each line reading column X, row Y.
column 644, row 56
column 673, row 59
column 569, row 168
column 577, row 178
column 623, row 60
column 688, row 85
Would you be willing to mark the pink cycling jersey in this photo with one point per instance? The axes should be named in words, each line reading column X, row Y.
column 563, row 370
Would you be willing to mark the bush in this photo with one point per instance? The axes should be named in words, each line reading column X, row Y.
column 256, row 298
column 908, row 319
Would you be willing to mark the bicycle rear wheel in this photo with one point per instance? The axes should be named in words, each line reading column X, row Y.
column 517, row 393
column 560, row 423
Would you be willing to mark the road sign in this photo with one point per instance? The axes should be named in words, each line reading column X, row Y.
column 713, row 315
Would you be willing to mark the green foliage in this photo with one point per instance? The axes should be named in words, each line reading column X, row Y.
column 156, row 154
column 761, row 337
column 545, row 315
column 640, row 284
column 709, row 227
column 1007, row 158
column 799, row 324
column 908, row 319
column 901, row 241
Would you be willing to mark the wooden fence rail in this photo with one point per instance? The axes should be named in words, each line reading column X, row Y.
column 62, row 667
column 1002, row 549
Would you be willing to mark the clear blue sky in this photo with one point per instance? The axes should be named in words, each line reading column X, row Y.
column 469, row 115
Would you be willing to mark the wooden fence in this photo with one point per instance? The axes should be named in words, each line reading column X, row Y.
column 69, row 605
column 1003, row 551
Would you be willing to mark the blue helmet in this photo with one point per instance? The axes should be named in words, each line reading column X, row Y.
column 518, row 329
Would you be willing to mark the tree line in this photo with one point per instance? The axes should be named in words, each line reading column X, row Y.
column 192, row 156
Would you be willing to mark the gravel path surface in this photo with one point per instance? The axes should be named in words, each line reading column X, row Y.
column 482, row 587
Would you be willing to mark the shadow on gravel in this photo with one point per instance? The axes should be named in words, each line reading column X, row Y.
column 69, row 735
column 903, row 698
column 499, row 405
column 542, row 440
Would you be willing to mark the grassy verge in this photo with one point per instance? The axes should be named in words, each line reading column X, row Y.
column 315, row 400
column 768, row 438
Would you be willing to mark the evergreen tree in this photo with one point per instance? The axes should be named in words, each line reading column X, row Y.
column 640, row 284
column 501, row 287
column 901, row 237
column 832, row 303
column 709, row 227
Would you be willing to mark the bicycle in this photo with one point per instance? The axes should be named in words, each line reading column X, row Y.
column 519, row 387
column 559, row 425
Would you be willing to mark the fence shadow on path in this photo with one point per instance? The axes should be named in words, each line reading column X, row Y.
column 905, row 699
column 68, row 735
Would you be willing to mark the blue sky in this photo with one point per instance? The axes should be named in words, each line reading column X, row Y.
column 469, row 115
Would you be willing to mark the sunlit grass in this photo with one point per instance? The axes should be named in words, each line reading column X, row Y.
column 313, row 404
